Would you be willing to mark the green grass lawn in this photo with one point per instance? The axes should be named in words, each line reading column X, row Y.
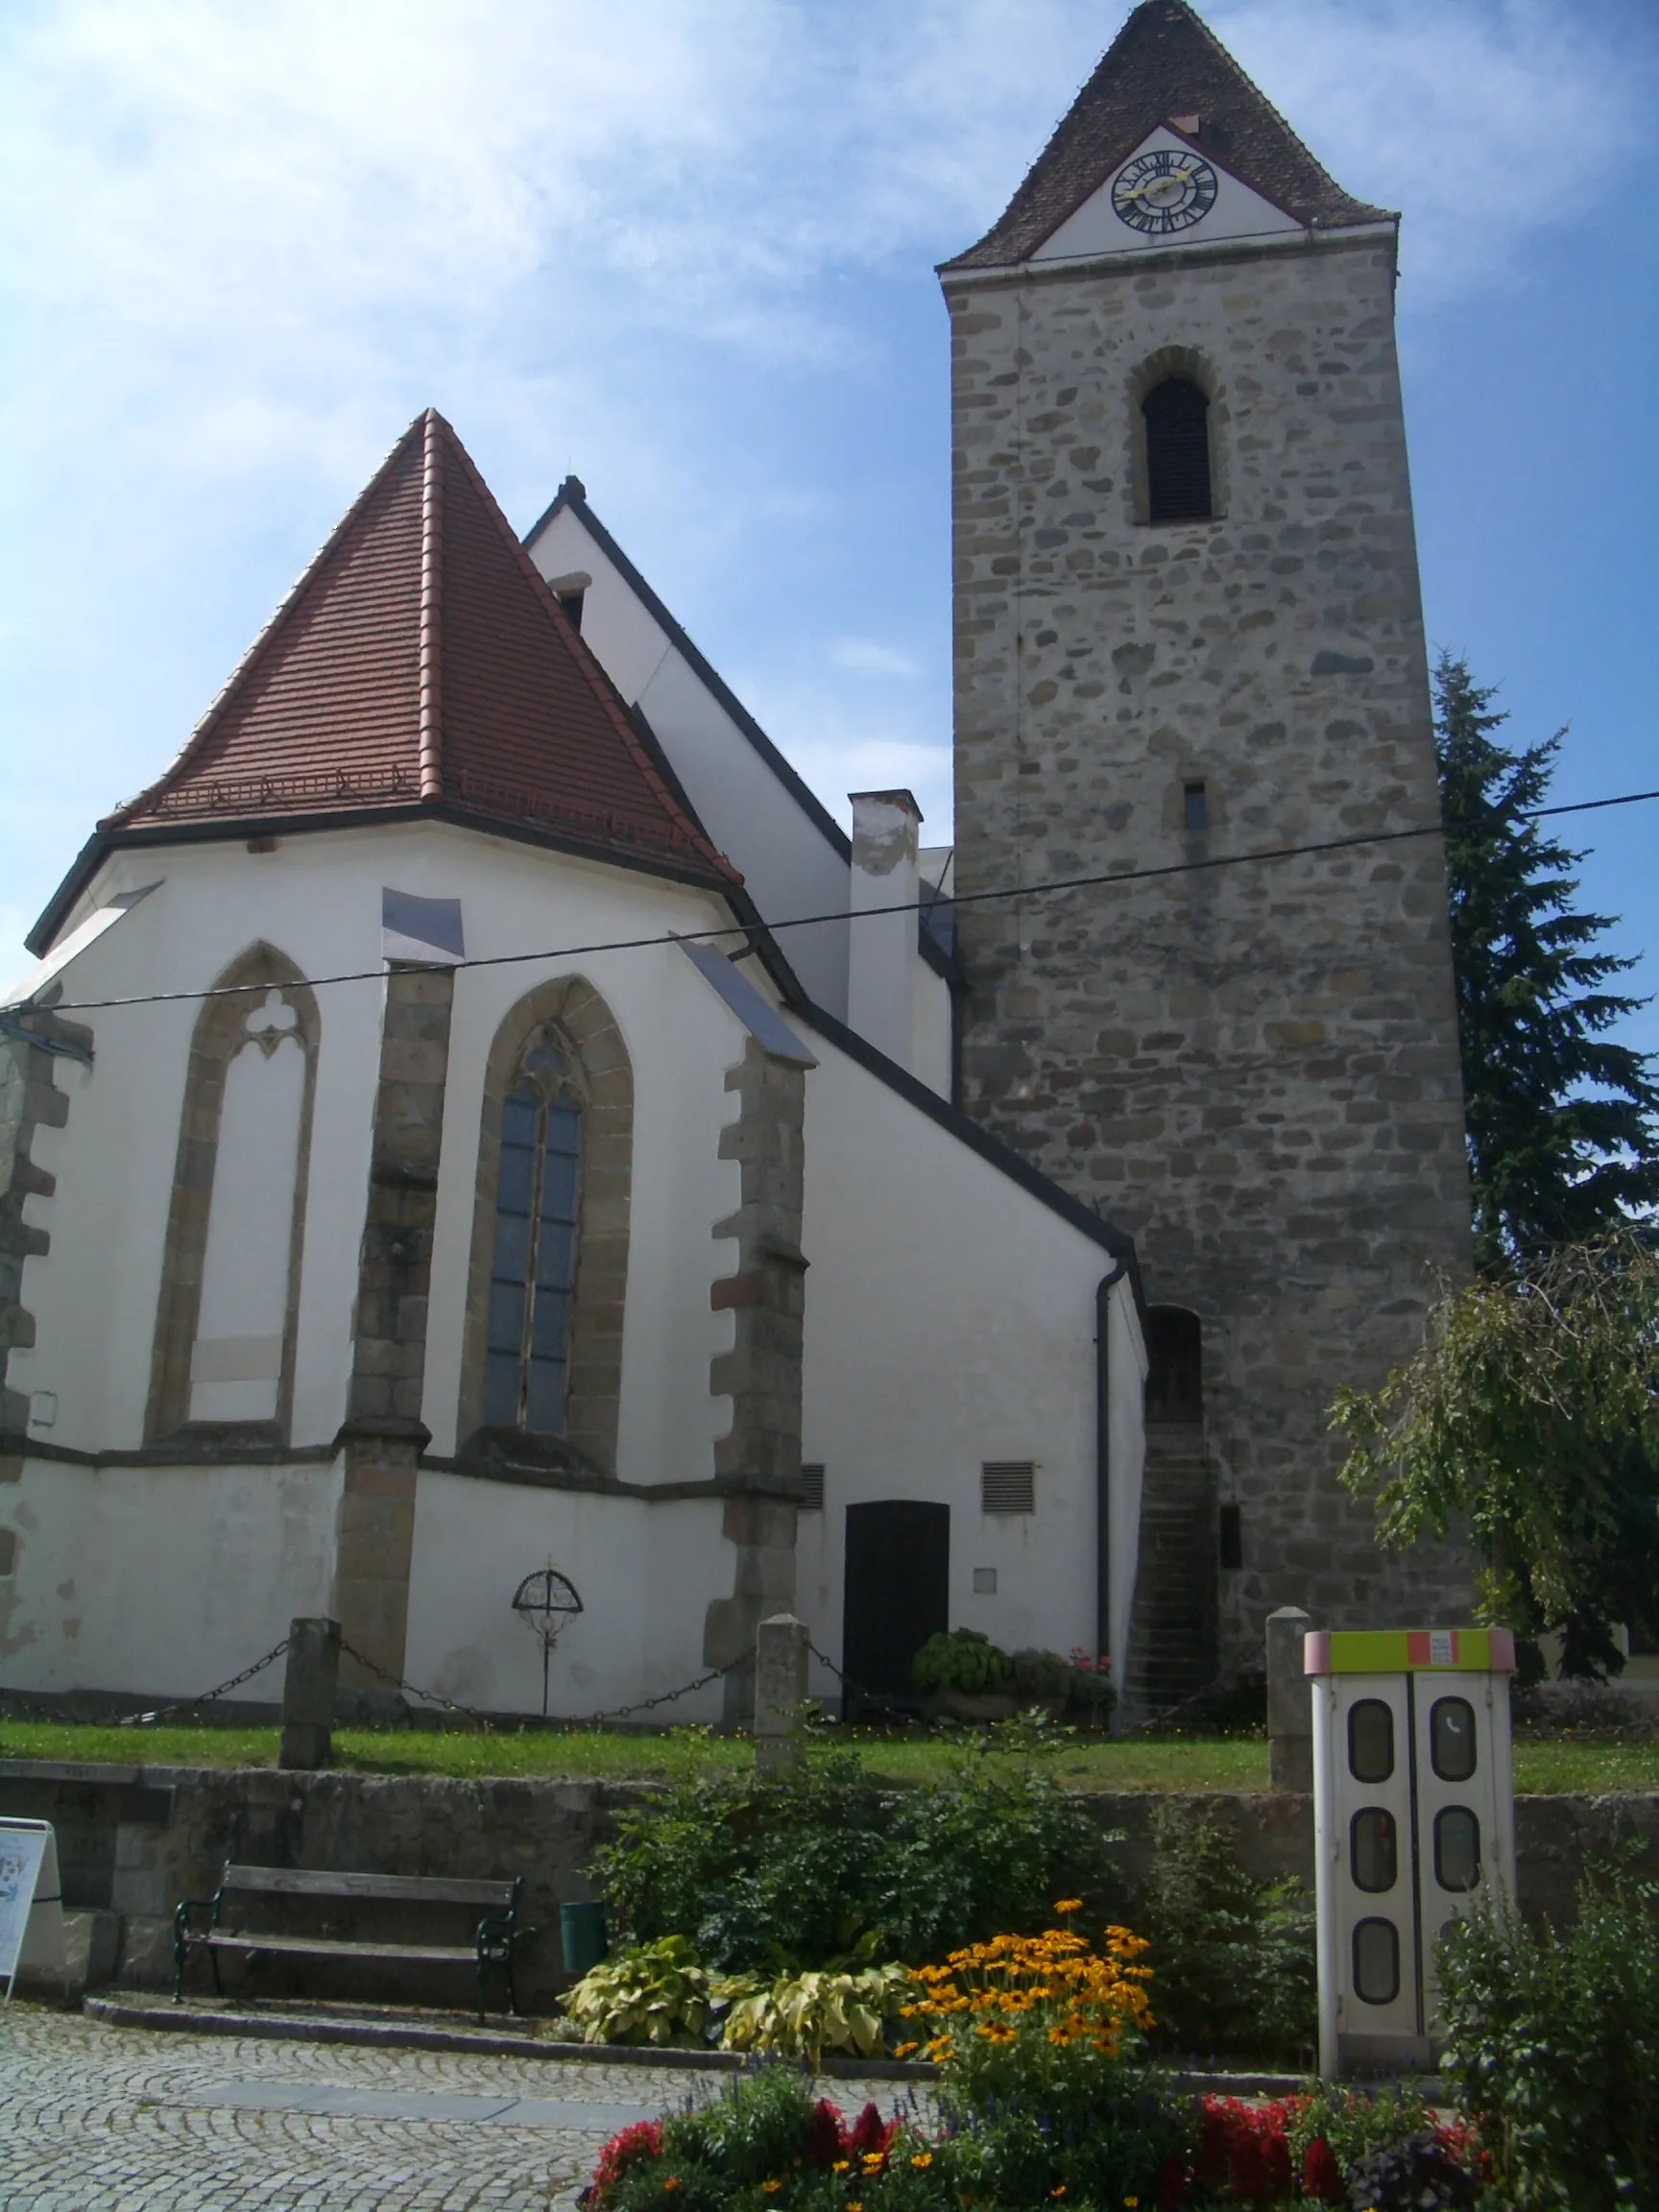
column 1132, row 1763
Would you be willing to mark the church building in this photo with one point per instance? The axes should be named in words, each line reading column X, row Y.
column 477, row 1112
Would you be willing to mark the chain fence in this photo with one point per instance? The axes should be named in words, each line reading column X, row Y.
column 187, row 1704
column 558, row 1721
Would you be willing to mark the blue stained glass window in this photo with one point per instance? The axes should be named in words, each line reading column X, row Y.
column 533, row 1272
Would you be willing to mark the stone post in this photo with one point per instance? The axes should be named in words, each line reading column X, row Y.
column 309, row 1694
column 780, row 1692
column 1289, row 1705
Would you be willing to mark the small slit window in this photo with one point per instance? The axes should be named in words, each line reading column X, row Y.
column 1177, row 418
column 1230, row 1534
column 1194, row 805
column 1376, row 1961
column 812, row 1486
column 1008, row 1486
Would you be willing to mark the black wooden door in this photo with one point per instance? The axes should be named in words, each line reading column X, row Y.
column 897, row 1590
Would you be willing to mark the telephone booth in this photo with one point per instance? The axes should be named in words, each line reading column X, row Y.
column 1414, row 1820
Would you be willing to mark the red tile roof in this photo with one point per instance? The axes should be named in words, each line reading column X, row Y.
column 1165, row 62
column 422, row 661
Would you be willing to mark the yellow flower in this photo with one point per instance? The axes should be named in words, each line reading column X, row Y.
column 1070, row 1905
column 1060, row 2192
column 922, row 2161
column 903, row 2050
column 842, row 2166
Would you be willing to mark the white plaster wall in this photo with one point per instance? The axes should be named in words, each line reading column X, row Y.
column 681, row 1039
column 645, row 1574
column 950, row 1320
column 165, row 1580
column 788, row 865
column 94, row 1295
column 930, row 1039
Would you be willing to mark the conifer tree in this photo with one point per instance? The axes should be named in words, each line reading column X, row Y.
column 1563, row 1124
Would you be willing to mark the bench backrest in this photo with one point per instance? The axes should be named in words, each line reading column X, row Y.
column 402, row 1888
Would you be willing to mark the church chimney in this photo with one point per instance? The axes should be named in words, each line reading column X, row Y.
column 881, row 947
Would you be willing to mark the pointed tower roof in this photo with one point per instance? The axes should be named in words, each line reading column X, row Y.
column 1165, row 62
column 422, row 663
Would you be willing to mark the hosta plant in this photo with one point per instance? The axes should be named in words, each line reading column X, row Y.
column 804, row 2015
column 652, row 1994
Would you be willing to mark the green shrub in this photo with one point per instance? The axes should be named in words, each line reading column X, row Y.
column 780, row 1874
column 651, row 1993
column 1552, row 2048
column 1042, row 1676
column 1233, row 1957
column 961, row 1659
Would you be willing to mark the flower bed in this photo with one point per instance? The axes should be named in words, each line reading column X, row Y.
column 1046, row 2097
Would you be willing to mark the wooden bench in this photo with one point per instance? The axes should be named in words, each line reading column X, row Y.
column 227, row 1927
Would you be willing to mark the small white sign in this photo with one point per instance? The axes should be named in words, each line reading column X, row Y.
column 1442, row 1647
column 31, row 1900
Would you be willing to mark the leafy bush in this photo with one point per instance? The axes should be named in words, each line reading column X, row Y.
column 765, row 2143
column 1233, row 1956
column 777, row 1874
column 1552, row 2047
column 1092, row 1692
column 651, row 1993
column 1042, row 1676
column 805, row 2015
column 1417, row 2175
column 1351, row 2124
column 961, row 1659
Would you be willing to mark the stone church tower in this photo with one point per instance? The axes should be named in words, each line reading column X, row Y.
column 1188, row 628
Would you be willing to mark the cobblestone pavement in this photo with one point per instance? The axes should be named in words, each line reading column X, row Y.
column 102, row 2119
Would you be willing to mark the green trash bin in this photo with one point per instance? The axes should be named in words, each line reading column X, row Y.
column 583, row 1936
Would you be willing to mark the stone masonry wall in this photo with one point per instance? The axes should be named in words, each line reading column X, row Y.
column 136, row 1839
column 760, row 1455
column 1254, row 1069
column 383, row 1433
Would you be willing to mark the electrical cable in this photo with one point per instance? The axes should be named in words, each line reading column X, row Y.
column 1103, row 880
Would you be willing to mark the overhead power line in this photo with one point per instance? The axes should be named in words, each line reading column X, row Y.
column 1106, row 877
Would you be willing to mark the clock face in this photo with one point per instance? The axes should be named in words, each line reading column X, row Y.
column 1168, row 189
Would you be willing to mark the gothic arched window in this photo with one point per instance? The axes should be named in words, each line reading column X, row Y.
column 533, row 1267
column 231, row 1272
column 1177, row 418
column 542, row 1359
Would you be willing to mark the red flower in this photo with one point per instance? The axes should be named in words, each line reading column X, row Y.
column 1242, row 2149
column 643, row 2140
column 869, row 2133
column 1321, row 2176
column 824, row 2135
column 1172, row 2186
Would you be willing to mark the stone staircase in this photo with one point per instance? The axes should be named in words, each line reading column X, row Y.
column 1173, row 1643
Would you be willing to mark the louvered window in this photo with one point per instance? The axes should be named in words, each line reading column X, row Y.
column 1177, row 417
column 812, row 1486
column 1008, row 1486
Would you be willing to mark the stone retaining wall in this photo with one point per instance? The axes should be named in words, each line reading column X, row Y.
column 131, row 1841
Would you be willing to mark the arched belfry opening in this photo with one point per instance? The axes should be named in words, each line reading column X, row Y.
column 1173, row 1655
column 1179, row 478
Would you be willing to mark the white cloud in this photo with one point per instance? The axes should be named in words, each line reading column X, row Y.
column 869, row 656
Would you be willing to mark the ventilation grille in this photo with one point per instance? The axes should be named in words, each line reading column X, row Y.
column 1008, row 1486
column 812, row 1486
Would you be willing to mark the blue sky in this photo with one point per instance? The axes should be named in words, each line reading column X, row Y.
column 685, row 248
